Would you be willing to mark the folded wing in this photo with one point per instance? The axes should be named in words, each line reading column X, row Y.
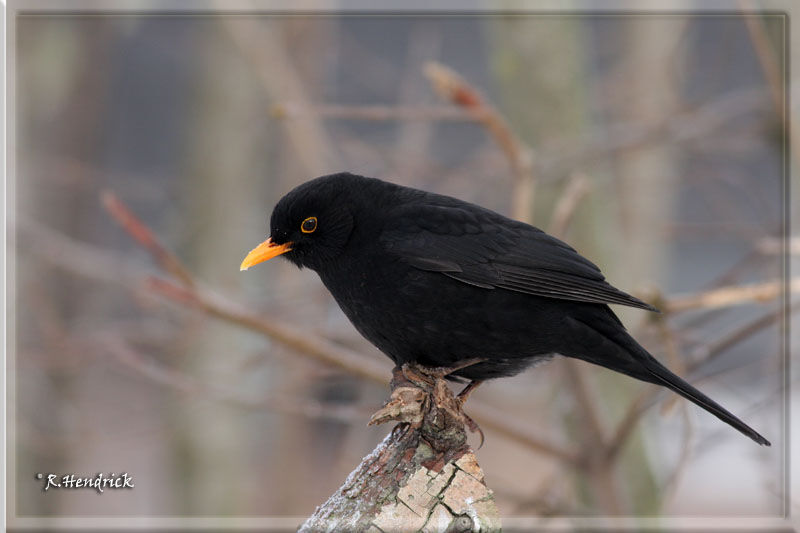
column 484, row 249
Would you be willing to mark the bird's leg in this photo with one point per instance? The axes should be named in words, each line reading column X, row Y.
column 461, row 399
column 464, row 394
column 411, row 370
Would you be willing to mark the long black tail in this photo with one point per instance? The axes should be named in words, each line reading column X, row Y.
column 602, row 340
column 663, row 376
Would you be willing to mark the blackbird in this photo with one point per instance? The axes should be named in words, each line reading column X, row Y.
column 437, row 281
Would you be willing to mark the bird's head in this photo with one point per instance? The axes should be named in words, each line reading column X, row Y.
column 313, row 223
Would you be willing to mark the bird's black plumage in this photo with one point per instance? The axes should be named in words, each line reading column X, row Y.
column 435, row 280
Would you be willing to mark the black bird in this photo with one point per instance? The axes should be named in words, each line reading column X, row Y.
column 437, row 281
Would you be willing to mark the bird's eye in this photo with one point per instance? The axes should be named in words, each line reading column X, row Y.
column 309, row 225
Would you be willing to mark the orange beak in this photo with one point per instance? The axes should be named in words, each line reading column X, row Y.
column 264, row 252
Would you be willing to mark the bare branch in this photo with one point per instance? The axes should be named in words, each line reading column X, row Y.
column 370, row 368
column 142, row 234
column 575, row 191
column 777, row 246
column 378, row 113
column 162, row 375
column 766, row 56
column 730, row 296
column 453, row 88
column 709, row 351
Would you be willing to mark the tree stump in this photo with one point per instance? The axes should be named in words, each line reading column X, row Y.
column 422, row 477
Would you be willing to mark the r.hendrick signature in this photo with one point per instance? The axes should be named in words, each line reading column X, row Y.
column 98, row 482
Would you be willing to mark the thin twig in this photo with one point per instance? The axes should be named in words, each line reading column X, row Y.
column 730, row 296
column 777, row 246
column 378, row 113
column 705, row 353
column 75, row 256
column 677, row 363
column 577, row 188
column 279, row 77
column 455, row 89
column 698, row 123
column 370, row 368
column 766, row 56
column 158, row 373
column 145, row 237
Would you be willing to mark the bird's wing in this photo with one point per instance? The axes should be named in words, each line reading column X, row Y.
column 482, row 248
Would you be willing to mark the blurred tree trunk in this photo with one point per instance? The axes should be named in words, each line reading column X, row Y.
column 225, row 197
column 220, row 197
column 544, row 79
column 543, row 76
column 68, row 103
column 645, row 181
column 646, row 178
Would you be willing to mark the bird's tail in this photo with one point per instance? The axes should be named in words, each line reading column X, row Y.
column 662, row 376
column 606, row 343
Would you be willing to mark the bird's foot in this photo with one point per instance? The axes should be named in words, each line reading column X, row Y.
column 421, row 399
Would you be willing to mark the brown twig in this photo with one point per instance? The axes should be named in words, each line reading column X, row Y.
column 75, row 256
column 162, row 375
column 299, row 339
column 730, row 296
column 455, row 89
column 142, row 234
column 576, row 190
column 378, row 113
column 766, row 56
column 699, row 123
column 279, row 76
column 705, row 353
column 777, row 246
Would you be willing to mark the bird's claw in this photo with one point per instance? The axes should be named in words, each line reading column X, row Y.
column 425, row 389
column 473, row 427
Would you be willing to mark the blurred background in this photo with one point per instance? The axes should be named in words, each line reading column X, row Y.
column 652, row 144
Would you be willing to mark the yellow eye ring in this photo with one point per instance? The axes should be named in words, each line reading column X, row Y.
column 309, row 225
